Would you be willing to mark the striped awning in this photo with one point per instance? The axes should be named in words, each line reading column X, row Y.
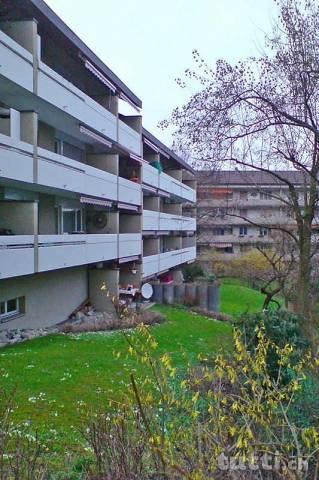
column 95, row 136
column 127, row 206
column 128, row 100
column 221, row 245
column 95, row 201
column 137, row 158
column 100, row 75
column 151, row 145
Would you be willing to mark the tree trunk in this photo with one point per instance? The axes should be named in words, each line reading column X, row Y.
column 304, row 272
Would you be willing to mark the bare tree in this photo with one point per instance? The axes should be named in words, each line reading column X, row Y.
column 263, row 114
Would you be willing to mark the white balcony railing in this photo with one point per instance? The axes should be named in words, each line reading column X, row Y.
column 150, row 265
column 154, row 264
column 61, row 93
column 129, row 192
column 16, row 159
column 16, row 255
column 129, row 138
column 59, row 172
column 16, row 62
column 165, row 221
column 130, row 244
column 64, row 173
column 150, row 175
column 62, row 251
column 168, row 184
column 151, row 220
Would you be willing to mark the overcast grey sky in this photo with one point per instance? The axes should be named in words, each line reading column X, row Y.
column 148, row 43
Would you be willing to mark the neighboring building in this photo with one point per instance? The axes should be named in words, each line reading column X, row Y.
column 82, row 200
column 239, row 209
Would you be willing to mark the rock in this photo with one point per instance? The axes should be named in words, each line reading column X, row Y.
column 80, row 316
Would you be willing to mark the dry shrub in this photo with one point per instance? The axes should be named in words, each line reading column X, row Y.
column 108, row 323
column 215, row 315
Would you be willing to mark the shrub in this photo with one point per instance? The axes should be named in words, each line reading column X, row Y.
column 192, row 271
column 107, row 322
column 190, row 427
column 282, row 328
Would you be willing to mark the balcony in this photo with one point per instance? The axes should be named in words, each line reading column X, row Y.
column 61, row 93
column 164, row 261
column 16, row 159
column 168, row 184
column 62, row 251
column 16, row 62
column 130, row 244
column 129, row 192
column 59, row 172
column 150, row 175
column 150, row 265
column 16, row 255
column 156, row 221
column 129, row 138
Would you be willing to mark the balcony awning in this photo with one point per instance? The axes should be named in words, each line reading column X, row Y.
column 99, row 75
column 126, row 99
column 95, row 136
column 126, row 206
column 95, row 201
column 136, row 158
column 221, row 245
column 148, row 188
column 151, row 145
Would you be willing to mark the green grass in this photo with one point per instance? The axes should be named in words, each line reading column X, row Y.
column 237, row 298
column 69, row 370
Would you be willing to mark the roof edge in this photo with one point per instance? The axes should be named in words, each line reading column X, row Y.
column 167, row 150
column 50, row 14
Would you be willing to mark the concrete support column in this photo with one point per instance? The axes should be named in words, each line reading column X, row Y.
column 103, row 287
column 177, row 276
column 29, row 134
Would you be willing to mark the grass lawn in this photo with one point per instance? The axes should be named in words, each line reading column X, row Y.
column 54, row 375
column 237, row 298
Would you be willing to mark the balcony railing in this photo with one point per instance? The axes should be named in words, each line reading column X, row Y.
column 62, row 251
column 129, row 138
column 16, row 62
column 61, row 93
column 154, row 264
column 16, row 255
column 158, row 221
column 130, row 244
column 17, row 252
column 168, row 184
column 59, row 172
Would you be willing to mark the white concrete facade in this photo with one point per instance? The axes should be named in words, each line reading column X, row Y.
column 79, row 191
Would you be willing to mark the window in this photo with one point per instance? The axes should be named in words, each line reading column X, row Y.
column 243, row 230
column 68, row 150
column 263, row 231
column 10, row 308
column 265, row 195
column 72, row 220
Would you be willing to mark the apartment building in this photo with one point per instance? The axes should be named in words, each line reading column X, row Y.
column 89, row 200
column 239, row 209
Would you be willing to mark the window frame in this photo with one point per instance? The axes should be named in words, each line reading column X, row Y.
column 243, row 230
column 76, row 211
column 4, row 317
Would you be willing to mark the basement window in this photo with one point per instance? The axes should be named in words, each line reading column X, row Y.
column 11, row 308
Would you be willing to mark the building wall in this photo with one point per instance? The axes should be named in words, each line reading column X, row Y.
column 50, row 297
